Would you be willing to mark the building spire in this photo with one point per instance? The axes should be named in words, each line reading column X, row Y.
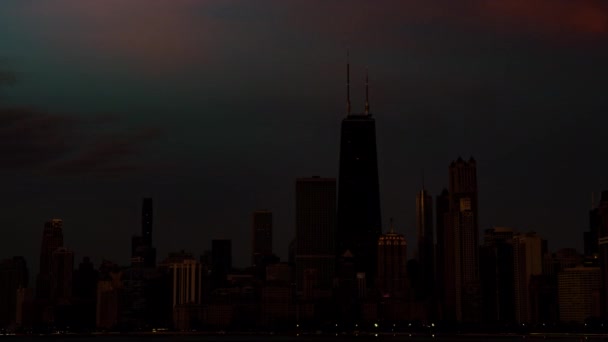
column 347, row 83
column 366, row 92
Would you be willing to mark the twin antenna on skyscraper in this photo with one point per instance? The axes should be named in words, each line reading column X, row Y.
column 348, row 111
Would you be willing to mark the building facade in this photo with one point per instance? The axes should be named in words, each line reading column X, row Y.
column 359, row 220
column 315, row 234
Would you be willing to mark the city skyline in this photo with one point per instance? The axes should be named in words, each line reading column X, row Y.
column 517, row 87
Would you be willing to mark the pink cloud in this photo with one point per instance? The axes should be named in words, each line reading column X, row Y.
column 152, row 34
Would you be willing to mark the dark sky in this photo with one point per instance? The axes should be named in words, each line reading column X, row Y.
column 214, row 108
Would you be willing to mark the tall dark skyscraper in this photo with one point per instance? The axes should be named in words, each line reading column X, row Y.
column 602, row 217
column 426, row 252
column 13, row 276
column 142, row 252
column 496, row 266
column 146, row 221
column 444, row 285
column 359, row 220
column 52, row 239
column 315, row 234
column 261, row 235
column 463, row 227
column 221, row 261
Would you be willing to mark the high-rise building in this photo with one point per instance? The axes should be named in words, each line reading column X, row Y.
column 591, row 237
column 527, row 262
column 602, row 217
column 496, row 275
column 52, row 238
column 359, row 220
column 578, row 288
column 221, row 261
column 62, row 271
column 464, row 230
column 187, row 294
column 142, row 252
column 425, row 252
column 392, row 259
column 261, row 235
column 444, row 284
column 315, row 233
column 13, row 276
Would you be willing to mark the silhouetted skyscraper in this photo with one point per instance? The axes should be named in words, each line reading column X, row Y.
column 221, row 261
column 62, row 271
column 52, row 238
column 146, row 221
column 496, row 272
column 315, row 233
column 261, row 235
column 392, row 259
column 602, row 216
column 444, row 285
column 359, row 220
column 426, row 248
column 528, row 262
column 142, row 252
column 464, row 227
column 13, row 276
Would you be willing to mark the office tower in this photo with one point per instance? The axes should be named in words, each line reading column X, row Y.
column 221, row 261
column 142, row 252
column 527, row 262
column 261, row 235
column 315, row 234
column 496, row 275
column 578, row 290
column 110, row 296
column 359, row 221
column 392, row 259
column 62, row 271
column 602, row 217
column 462, row 233
column 444, row 284
column 187, row 294
column 426, row 252
column 13, row 276
column 52, row 238
column 591, row 237
column 84, row 292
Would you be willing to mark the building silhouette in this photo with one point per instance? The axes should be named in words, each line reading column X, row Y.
column 142, row 251
column 221, row 261
column 527, row 262
column 62, row 273
column 578, row 292
column 602, row 218
column 315, row 233
column 426, row 247
column 187, row 294
column 496, row 274
column 261, row 236
column 359, row 220
column 444, row 284
column 463, row 234
column 392, row 259
column 13, row 276
column 52, row 239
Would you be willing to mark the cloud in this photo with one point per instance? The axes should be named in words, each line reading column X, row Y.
column 41, row 142
column 552, row 17
column 7, row 78
column 112, row 154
